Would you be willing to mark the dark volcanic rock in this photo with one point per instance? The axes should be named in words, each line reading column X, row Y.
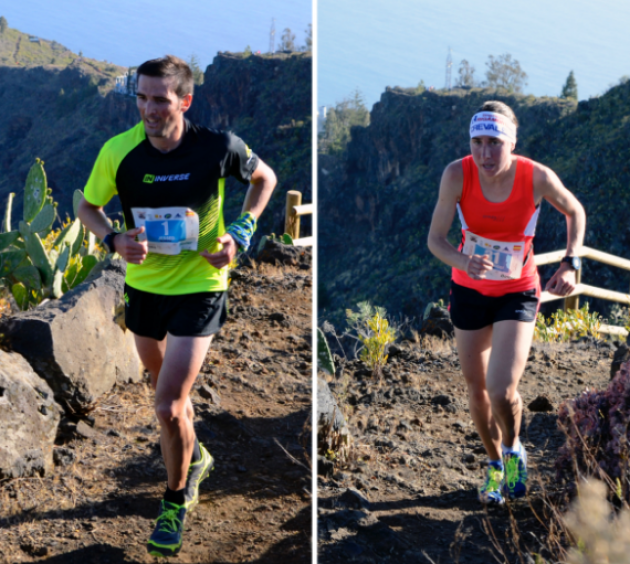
column 63, row 456
column 325, row 467
column 438, row 323
column 208, row 393
column 332, row 430
column 28, row 419
column 442, row 399
column 622, row 354
column 275, row 252
column 354, row 499
column 76, row 343
column 541, row 404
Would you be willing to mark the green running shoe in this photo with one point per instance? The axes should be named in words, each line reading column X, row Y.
column 490, row 492
column 515, row 484
column 166, row 539
column 197, row 472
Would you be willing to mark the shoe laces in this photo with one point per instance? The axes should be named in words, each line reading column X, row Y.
column 493, row 480
column 512, row 470
column 168, row 520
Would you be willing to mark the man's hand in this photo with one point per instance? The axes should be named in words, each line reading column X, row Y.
column 563, row 282
column 128, row 248
column 479, row 266
column 226, row 255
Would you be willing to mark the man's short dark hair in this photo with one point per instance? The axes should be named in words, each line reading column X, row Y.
column 170, row 66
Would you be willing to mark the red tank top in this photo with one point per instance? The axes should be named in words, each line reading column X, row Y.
column 510, row 221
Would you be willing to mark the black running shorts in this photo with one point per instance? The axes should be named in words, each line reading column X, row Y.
column 471, row 310
column 188, row 315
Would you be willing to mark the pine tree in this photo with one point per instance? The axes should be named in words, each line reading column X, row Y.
column 3, row 24
column 569, row 90
column 193, row 63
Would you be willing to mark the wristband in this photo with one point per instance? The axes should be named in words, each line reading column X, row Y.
column 242, row 230
column 108, row 241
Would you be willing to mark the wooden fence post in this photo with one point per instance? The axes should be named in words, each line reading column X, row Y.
column 291, row 219
column 573, row 302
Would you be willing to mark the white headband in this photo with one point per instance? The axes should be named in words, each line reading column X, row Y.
column 493, row 125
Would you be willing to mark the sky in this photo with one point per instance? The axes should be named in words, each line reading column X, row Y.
column 128, row 32
column 371, row 44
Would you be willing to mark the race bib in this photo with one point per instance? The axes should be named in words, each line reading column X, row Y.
column 169, row 231
column 507, row 258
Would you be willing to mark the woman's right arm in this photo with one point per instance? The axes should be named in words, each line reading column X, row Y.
column 451, row 187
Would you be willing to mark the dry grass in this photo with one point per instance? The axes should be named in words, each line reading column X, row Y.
column 602, row 537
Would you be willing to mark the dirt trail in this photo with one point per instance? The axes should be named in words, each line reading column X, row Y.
column 254, row 507
column 416, row 460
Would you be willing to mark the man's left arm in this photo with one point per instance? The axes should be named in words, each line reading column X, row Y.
column 260, row 189
column 262, row 183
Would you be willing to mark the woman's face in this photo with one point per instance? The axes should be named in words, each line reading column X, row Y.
column 492, row 155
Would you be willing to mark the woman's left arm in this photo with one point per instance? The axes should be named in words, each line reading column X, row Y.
column 547, row 185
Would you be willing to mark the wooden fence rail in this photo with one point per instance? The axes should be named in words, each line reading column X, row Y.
column 572, row 301
column 294, row 210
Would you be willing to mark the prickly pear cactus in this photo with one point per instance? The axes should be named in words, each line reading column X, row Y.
column 35, row 191
column 7, row 213
column 37, row 253
column 32, row 265
column 29, row 276
column 7, row 239
column 44, row 219
column 10, row 260
column 76, row 200
column 325, row 360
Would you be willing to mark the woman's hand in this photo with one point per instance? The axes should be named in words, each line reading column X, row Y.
column 563, row 282
column 478, row 266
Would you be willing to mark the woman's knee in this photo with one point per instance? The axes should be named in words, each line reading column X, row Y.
column 478, row 397
column 502, row 395
column 169, row 412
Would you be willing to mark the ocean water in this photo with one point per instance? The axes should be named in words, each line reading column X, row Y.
column 371, row 44
column 128, row 32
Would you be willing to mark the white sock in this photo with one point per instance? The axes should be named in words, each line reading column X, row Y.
column 515, row 449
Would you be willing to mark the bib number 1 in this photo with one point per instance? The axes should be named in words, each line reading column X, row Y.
column 168, row 231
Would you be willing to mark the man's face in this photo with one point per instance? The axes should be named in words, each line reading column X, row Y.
column 160, row 108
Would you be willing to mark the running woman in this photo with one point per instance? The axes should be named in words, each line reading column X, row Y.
column 495, row 288
column 169, row 175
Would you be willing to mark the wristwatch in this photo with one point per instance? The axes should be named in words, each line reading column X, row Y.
column 574, row 262
column 108, row 241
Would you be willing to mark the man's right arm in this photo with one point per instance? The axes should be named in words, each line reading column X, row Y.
column 125, row 244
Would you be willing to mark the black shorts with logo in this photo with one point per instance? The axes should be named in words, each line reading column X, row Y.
column 187, row 315
column 471, row 310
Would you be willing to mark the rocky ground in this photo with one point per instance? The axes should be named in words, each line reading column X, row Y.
column 252, row 401
column 408, row 490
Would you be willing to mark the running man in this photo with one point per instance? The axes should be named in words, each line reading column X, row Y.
column 495, row 287
column 169, row 175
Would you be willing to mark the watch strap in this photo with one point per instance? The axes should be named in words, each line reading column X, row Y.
column 573, row 261
column 108, row 241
